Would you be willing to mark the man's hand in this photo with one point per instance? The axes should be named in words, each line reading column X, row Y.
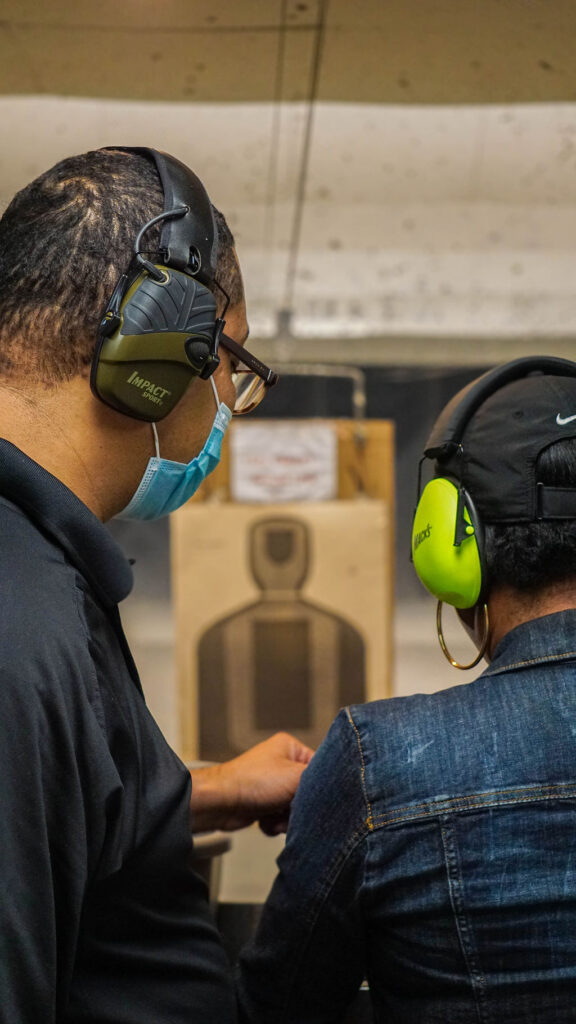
column 256, row 786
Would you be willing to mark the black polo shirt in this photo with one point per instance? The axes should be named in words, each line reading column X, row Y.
column 102, row 917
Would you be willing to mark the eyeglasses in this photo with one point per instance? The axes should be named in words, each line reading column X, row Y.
column 251, row 380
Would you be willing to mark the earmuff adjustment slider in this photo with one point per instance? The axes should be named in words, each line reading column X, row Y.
column 110, row 323
column 462, row 528
column 195, row 261
column 442, row 451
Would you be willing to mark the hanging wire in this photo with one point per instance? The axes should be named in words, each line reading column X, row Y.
column 304, row 165
column 272, row 178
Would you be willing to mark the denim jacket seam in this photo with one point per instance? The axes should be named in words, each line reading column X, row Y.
column 463, row 926
column 369, row 818
column 313, row 917
column 339, row 862
column 454, row 805
column 328, row 879
column 544, row 659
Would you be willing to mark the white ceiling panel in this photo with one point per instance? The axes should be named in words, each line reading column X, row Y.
column 398, row 221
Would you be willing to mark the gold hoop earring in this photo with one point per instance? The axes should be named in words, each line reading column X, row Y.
column 442, row 641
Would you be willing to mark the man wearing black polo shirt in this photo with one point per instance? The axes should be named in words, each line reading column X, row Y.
column 102, row 918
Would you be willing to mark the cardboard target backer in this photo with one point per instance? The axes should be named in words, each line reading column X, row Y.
column 282, row 617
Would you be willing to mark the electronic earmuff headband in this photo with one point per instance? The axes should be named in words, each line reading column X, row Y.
column 447, row 533
column 160, row 329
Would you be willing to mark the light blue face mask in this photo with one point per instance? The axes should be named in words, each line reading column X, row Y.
column 167, row 485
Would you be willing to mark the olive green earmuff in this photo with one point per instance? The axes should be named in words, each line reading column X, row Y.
column 160, row 329
column 447, row 535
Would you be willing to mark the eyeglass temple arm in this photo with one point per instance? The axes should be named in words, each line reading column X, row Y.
column 249, row 360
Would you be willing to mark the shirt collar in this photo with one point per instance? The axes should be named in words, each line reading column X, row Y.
column 547, row 639
column 68, row 521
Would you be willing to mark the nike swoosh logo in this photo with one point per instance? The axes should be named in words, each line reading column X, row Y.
column 562, row 420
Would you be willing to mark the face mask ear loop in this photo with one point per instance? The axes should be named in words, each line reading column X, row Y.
column 155, row 432
column 211, row 379
column 446, row 652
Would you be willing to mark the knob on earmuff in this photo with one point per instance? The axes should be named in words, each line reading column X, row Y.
column 202, row 359
column 198, row 352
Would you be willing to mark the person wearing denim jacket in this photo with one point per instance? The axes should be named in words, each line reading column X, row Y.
column 432, row 842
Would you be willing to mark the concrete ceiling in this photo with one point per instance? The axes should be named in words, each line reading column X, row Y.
column 370, row 51
column 395, row 171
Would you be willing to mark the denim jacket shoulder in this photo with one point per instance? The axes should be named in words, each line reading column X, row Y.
column 474, row 744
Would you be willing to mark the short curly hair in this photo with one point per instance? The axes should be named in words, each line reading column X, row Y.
column 64, row 241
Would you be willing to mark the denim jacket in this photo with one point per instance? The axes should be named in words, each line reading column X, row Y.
column 432, row 850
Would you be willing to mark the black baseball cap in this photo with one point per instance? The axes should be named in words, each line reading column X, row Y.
column 491, row 445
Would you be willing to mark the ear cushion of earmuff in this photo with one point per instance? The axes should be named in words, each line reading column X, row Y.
column 451, row 573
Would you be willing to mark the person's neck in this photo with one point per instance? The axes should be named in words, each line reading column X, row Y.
column 509, row 608
column 76, row 438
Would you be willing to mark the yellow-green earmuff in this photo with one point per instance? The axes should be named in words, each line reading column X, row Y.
column 446, row 544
